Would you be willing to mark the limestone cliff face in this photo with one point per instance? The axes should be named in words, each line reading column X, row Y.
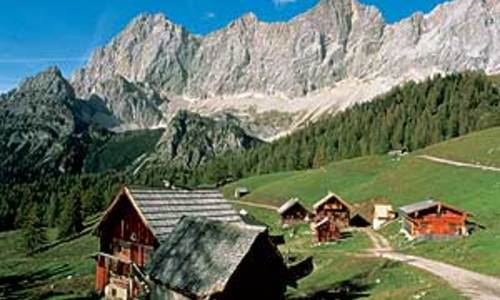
column 341, row 50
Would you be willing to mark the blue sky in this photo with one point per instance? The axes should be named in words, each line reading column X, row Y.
column 35, row 34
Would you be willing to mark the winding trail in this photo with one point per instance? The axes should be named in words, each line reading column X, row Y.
column 458, row 163
column 470, row 284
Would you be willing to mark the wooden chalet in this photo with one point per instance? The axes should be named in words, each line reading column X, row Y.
column 325, row 231
column 334, row 208
column 293, row 212
column 433, row 219
column 206, row 259
column 136, row 223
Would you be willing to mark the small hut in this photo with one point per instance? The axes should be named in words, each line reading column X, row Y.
column 204, row 259
column 373, row 213
column 433, row 219
column 240, row 192
column 325, row 231
column 382, row 213
column 293, row 212
column 334, row 208
column 362, row 216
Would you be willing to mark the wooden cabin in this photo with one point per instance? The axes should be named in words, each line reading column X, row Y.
column 334, row 208
column 433, row 219
column 293, row 212
column 136, row 223
column 325, row 231
column 205, row 259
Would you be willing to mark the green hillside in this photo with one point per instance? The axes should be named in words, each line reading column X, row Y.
column 481, row 147
column 121, row 150
column 404, row 181
column 65, row 270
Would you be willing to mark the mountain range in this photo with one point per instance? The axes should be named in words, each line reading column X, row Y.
column 232, row 88
column 289, row 73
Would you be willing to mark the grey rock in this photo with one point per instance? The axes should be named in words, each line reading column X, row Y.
column 191, row 139
column 335, row 45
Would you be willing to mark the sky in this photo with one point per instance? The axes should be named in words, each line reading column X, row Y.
column 35, row 34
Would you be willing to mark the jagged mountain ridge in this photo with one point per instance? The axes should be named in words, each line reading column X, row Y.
column 45, row 130
column 338, row 53
column 39, row 127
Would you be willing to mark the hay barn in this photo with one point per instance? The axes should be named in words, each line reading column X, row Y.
column 136, row 224
column 334, row 208
column 433, row 219
column 325, row 231
column 293, row 212
column 205, row 259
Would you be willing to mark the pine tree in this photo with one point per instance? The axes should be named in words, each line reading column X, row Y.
column 72, row 219
column 53, row 211
column 34, row 230
column 319, row 157
column 92, row 203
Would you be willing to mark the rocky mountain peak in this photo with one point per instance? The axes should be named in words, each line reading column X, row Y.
column 249, row 18
column 340, row 49
column 151, row 24
column 49, row 82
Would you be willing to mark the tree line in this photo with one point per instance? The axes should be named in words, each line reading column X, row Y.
column 409, row 117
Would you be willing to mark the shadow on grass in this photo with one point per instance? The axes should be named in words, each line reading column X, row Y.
column 352, row 288
column 356, row 287
column 345, row 235
column 23, row 286
column 89, row 227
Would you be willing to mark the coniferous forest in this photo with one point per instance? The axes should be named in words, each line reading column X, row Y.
column 409, row 117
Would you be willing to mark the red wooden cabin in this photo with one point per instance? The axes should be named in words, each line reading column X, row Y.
column 334, row 208
column 136, row 223
column 433, row 219
column 293, row 212
column 325, row 231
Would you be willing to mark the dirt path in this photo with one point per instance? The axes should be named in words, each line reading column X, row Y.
column 265, row 206
column 458, row 163
column 470, row 284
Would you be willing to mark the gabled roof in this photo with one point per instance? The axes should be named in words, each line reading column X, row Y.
column 200, row 256
column 364, row 211
column 321, row 223
column 328, row 197
column 423, row 205
column 289, row 204
column 161, row 208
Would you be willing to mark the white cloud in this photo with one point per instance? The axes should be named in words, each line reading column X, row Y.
column 209, row 15
column 283, row 2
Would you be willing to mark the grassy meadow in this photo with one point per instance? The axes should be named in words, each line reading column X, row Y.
column 344, row 270
column 407, row 180
column 65, row 270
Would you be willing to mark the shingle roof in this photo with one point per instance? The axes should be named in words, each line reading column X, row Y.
column 163, row 208
column 200, row 255
column 287, row 205
column 411, row 208
column 328, row 197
